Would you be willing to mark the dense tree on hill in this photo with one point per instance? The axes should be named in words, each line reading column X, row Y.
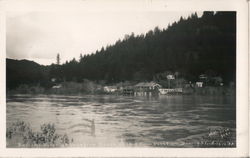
column 190, row 46
column 25, row 72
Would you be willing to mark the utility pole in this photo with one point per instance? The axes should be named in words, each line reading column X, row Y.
column 169, row 83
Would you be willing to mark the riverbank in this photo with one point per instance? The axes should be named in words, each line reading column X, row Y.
column 89, row 87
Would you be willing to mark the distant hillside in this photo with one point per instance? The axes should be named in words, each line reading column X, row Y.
column 191, row 47
column 24, row 72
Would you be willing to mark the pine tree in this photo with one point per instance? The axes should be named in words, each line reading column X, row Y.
column 58, row 59
column 81, row 57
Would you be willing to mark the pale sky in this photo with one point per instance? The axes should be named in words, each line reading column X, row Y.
column 40, row 35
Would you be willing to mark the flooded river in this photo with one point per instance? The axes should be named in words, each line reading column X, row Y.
column 109, row 120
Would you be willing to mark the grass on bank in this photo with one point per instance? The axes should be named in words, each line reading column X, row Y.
column 222, row 137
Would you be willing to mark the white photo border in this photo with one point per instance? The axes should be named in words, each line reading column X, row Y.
column 242, row 111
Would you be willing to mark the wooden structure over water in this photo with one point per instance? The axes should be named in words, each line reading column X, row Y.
column 128, row 90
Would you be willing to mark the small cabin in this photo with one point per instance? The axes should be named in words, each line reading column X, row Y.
column 199, row 84
column 53, row 79
column 217, row 81
column 110, row 89
column 203, row 77
column 57, row 86
column 170, row 77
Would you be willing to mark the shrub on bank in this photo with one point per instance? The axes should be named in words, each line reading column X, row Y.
column 85, row 87
column 19, row 134
column 27, row 89
column 210, row 90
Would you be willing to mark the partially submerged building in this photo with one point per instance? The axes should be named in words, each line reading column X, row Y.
column 128, row 90
column 164, row 91
column 146, row 89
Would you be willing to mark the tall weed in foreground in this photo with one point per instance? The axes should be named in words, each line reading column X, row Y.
column 19, row 134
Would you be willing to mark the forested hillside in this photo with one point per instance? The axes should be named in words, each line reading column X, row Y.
column 25, row 72
column 191, row 47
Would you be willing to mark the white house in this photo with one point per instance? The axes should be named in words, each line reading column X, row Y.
column 199, row 84
column 110, row 89
column 53, row 79
column 203, row 77
column 57, row 86
column 170, row 77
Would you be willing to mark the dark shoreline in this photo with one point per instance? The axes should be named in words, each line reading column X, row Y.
column 209, row 90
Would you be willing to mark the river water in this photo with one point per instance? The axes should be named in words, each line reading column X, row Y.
column 124, row 120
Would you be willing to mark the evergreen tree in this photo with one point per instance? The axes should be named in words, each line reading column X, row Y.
column 58, row 59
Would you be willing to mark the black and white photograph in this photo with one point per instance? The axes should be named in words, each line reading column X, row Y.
column 121, row 77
